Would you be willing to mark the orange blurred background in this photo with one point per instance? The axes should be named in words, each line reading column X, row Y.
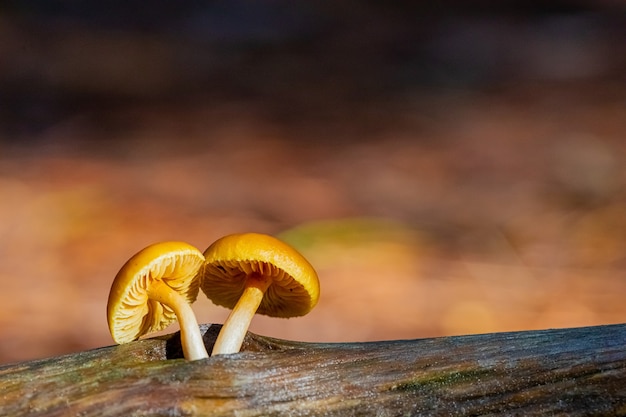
column 446, row 172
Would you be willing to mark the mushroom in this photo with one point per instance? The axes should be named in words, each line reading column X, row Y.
column 252, row 273
column 154, row 288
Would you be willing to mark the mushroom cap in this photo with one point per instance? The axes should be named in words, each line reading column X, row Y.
column 130, row 312
column 294, row 290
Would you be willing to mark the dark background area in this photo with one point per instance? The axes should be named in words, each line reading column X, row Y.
column 449, row 168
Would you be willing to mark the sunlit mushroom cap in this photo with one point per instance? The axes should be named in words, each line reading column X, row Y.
column 295, row 287
column 129, row 311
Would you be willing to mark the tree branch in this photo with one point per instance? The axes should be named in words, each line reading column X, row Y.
column 578, row 371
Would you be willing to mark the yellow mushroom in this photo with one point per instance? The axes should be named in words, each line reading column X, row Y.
column 252, row 273
column 154, row 288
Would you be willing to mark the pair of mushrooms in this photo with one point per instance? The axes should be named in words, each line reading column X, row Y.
column 247, row 273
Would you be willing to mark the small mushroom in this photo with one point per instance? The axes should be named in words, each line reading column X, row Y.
column 252, row 273
column 154, row 288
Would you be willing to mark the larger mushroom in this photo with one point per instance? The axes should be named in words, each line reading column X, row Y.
column 154, row 288
column 256, row 273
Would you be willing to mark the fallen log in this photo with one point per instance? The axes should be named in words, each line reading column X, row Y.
column 580, row 371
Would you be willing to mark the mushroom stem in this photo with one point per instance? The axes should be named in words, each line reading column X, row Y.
column 190, row 337
column 236, row 325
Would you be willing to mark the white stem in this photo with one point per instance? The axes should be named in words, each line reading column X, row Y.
column 190, row 337
column 236, row 325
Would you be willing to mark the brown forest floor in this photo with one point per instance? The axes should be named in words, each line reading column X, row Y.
column 446, row 215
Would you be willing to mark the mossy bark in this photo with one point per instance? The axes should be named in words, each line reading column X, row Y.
column 566, row 372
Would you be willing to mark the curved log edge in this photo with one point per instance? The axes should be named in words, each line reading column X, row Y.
column 579, row 371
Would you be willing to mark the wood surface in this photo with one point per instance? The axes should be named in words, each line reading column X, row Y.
column 578, row 371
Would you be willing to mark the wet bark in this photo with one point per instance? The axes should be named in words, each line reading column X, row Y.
column 578, row 371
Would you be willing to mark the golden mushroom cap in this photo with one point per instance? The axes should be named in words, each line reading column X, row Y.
column 294, row 290
column 130, row 312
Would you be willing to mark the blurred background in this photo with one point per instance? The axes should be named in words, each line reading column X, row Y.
column 448, row 167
